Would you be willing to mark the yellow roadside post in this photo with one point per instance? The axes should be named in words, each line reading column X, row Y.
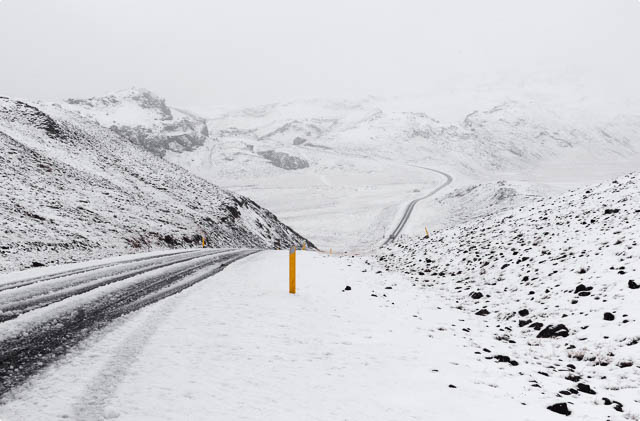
column 203, row 241
column 304, row 246
column 292, row 270
column 426, row 231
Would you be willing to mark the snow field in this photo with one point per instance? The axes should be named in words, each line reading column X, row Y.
column 239, row 346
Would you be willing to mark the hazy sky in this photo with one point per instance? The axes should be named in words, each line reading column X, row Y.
column 237, row 52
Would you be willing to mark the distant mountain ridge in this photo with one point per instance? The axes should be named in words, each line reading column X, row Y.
column 145, row 119
column 501, row 137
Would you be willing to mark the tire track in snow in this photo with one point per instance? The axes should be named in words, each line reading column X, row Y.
column 93, row 403
column 12, row 304
column 31, row 342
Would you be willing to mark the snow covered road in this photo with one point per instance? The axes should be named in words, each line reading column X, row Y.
column 239, row 346
column 44, row 314
column 407, row 212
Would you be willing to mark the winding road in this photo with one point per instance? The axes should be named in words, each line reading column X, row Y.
column 409, row 209
column 62, row 308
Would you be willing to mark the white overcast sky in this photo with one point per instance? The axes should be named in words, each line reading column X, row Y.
column 240, row 52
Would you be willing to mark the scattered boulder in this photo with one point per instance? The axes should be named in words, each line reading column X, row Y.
column 559, row 408
column 476, row 295
column 482, row 312
column 633, row 285
column 347, row 288
column 585, row 388
column 581, row 288
column 554, row 331
column 505, row 359
column 609, row 316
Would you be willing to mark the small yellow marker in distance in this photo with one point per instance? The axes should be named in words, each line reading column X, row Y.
column 304, row 246
column 203, row 241
column 292, row 270
column 426, row 231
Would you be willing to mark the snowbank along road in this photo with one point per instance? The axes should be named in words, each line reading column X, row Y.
column 407, row 212
column 58, row 309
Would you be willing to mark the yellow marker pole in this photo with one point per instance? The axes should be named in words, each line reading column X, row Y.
column 304, row 246
column 292, row 270
column 203, row 241
column 426, row 231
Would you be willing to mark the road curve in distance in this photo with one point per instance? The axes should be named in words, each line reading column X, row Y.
column 409, row 209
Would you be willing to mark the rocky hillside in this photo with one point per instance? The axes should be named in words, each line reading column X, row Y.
column 72, row 189
column 557, row 285
column 145, row 119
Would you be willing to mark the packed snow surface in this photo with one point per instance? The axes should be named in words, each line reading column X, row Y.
column 239, row 346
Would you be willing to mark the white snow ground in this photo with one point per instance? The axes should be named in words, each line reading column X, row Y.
column 569, row 261
column 239, row 346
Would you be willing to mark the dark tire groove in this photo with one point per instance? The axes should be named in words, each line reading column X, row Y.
column 25, row 355
column 14, row 309
column 25, row 282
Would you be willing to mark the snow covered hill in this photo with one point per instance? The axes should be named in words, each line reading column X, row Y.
column 341, row 171
column 145, row 119
column 557, row 283
column 72, row 189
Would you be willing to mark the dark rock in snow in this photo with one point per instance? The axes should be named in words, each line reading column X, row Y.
column 347, row 288
column 523, row 312
column 609, row 316
column 37, row 264
column 585, row 388
column 505, row 359
column 560, row 408
column 476, row 295
column 482, row 312
column 581, row 288
column 554, row 331
column 633, row 285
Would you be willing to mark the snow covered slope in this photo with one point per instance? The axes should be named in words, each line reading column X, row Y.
column 145, row 119
column 72, row 189
column 557, row 284
column 341, row 171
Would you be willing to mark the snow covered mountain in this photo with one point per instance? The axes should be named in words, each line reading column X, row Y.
column 72, row 189
column 145, row 119
column 557, row 282
column 341, row 171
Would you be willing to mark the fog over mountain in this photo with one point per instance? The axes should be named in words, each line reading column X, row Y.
column 200, row 53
